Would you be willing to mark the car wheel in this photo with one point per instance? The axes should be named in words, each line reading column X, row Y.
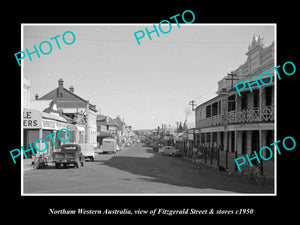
column 57, row 165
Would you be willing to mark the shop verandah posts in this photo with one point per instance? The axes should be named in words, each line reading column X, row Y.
column 226, row 159
column 211, row 154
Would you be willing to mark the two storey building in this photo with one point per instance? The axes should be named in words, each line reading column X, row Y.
column 228, row 125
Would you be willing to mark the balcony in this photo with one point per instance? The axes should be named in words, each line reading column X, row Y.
column 252, row 115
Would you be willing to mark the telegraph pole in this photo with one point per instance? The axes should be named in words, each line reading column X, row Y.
column 192, row 103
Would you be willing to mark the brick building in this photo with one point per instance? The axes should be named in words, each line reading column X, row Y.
column 78, row 109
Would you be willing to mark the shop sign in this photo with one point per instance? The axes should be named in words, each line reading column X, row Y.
column 31, row 119
column 49, row 124
column 60, row 125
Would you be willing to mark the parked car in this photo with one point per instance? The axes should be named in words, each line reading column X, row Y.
column 98, row 150
column 69, row 154
column 127, row 144
column 118, row 148
column 160, row 150
column 169, row 150
column 156, row 147
column 88, row 151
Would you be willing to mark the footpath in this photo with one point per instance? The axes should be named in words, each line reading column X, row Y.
column 27, row 164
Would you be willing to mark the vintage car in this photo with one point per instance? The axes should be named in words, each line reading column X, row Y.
column 109, row 145
column 69, row 154
column 169, row 150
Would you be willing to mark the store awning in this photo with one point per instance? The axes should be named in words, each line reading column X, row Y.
column 75, row 127
column 34, row 119
column 104, row 134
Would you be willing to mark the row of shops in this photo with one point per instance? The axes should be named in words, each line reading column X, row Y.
column 38, row 124
column 222, row 148
column 229, row 125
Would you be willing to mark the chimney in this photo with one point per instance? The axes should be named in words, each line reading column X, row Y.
column 36, row 97
column 71, row 89
column 60, row 82
column 60, row 87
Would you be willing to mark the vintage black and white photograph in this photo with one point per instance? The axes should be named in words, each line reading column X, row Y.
column 148, row 109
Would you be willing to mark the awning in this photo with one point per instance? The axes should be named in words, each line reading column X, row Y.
column 75, row 127
column 104, row 134
column 34, row 119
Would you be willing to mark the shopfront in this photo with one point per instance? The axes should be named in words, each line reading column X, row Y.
column 77, row 133
column 37, row 125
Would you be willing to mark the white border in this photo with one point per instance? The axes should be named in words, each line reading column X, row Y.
column 146, row 24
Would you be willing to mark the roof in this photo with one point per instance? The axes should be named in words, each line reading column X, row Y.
column 111, row 122
column 104, row 134
column 40, row 105
column 54, row 117
column 67, row 95
column 68, row 99
column 208, row 101
column 101, row 117
column 119, row 122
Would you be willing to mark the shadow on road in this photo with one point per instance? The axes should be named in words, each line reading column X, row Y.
column 180, row 172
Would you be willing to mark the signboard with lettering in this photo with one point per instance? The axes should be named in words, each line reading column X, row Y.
column 60, row 125
column 31, row 119
column 49, row 124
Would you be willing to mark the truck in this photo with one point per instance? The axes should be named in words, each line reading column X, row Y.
column 69, row 154
column 88, row 151
column 109, row 145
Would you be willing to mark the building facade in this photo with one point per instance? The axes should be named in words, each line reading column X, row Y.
column 38, row 123
column 116, row 128
column 78, row 109
column 229, row 126
column 26, row 93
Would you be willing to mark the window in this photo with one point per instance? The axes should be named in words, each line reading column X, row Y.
column 268, row 95
column 208, row 111
column 215, row 109
column 255, row 99
column 244, row 103
column 231, row 103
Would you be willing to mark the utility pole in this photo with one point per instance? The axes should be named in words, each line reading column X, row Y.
column 232, row 79
column 193, row 103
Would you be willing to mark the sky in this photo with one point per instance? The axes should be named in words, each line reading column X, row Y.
column 148, row 84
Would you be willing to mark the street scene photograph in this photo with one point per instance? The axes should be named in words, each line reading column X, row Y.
column 148, row 109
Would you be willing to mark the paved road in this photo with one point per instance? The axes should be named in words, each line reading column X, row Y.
column 137, row 170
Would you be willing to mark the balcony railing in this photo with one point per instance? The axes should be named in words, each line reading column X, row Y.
column 252, row 115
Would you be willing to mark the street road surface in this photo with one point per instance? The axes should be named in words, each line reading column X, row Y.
column 137, row 170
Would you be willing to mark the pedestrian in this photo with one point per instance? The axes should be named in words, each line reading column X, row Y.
column 81, row 158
